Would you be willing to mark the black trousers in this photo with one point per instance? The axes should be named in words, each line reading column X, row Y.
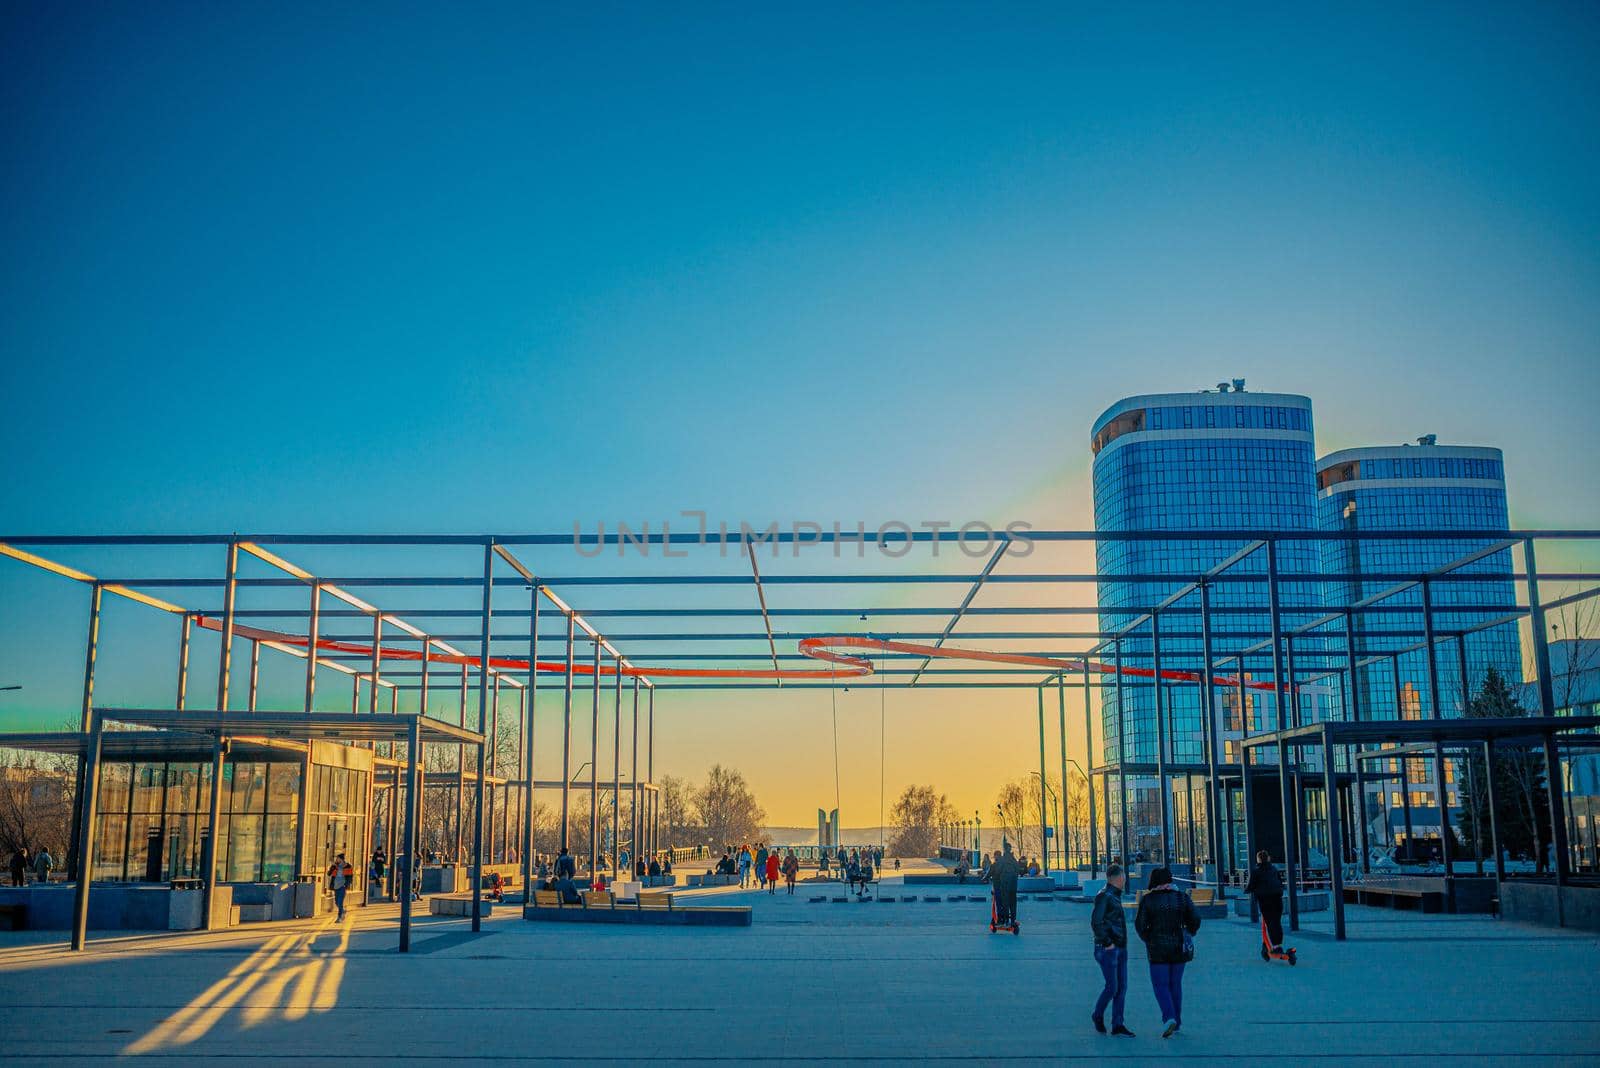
column 1005, row 900
column 1272, row 913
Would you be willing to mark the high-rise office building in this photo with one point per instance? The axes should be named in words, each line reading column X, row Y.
column 1426, row 486
column 1227, row 460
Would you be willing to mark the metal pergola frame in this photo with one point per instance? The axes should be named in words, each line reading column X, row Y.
column 1271, row 647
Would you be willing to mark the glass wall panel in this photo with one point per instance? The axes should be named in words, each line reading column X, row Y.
column 244, row 848
column 283, row 831
column 283, row 788
column 149, row 786
column 114, row 784
column 111, row 849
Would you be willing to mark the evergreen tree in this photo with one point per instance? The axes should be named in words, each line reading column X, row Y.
column 1522, row 807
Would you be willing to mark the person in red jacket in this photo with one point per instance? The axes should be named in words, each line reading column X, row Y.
column 774, row 863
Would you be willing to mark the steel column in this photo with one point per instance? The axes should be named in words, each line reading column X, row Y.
column 1494, row 827
column 1335, row 844
column 594, row 765
column 1556, row 789
column 229, row 589
column 413, row 821
column 1066, row 810
column 377, row 662
column 1161, row 736
column 633, row 774
column 483, row 756
column 1440, row 794
column 1208, row 717
column 566, row 738
column 1088, row 783
column 88, row 801
column 311, row 645
column 1291, row 813
column 1246, row 758
column 1122, row 746
column 1353, row 712
column 184, row 632
column 1044, row 812
column 208, row 860
column 650, row 773
column 530, row 721
column 255, row 674
column 1541, row 633
column 616, row 768
column 86, row 713
column 1281, row 689
column 461, row 770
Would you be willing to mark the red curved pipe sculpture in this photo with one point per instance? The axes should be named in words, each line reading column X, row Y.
column 819, row 648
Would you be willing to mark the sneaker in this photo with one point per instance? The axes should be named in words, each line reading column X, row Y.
column 1099, row 1024
column 1120, row 1030
column 1172, row 1029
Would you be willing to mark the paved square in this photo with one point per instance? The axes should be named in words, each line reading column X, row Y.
column 872, row 981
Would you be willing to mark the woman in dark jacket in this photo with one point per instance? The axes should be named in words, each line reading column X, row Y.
column 1267, row 886
column 1165, row 920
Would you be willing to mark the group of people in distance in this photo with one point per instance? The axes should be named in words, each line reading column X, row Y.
column 39, row 865
column 760, row 866
column 855, row 867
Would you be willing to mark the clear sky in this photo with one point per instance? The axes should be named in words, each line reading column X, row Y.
column 430, row 268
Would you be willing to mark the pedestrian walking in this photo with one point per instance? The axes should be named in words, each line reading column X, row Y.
column 744, row 867
column 761, row 866
column 340, row 875
column 1110, row 927
column 774, row 865
column 19, row 867
column 1166, row 922
column 43, row 864
column 791, row 869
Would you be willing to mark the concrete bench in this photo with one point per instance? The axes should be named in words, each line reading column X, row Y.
column 712, row 880
column 456, row 905
column 1036, row 884
column 16, row 917
column 260, row 912
column 1420, row 898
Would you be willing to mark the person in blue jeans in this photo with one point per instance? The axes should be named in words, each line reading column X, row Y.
column 1166, row 922
column 1110, row 927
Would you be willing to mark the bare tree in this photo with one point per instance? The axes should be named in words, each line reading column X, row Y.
column 728, row 810
column 916, row 817
column 676, row 799
column 35, row 804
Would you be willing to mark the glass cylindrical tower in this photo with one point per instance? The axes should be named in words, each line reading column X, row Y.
column 1223, row 460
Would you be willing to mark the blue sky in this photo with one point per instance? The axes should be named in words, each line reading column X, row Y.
column 437, row 269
